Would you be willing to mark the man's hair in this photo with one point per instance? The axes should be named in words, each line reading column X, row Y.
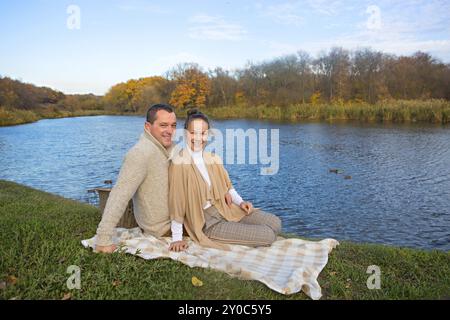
column 151, row 112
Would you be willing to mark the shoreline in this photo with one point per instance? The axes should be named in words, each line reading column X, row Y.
column 284, row 234
column 396, row 111
column 42, row 237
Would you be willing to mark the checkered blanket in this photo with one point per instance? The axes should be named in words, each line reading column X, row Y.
column 287, row 266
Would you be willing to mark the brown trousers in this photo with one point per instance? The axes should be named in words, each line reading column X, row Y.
column 257, row 229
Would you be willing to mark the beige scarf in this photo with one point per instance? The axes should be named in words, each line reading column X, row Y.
column 188, row 193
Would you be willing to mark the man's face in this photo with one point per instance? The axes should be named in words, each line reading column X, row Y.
column 163, row 127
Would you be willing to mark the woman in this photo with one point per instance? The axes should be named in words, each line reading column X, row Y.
column 202, row 198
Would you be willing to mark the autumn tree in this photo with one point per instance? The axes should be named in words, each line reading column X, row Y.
column 333, row 69
column 117, row 99
column 149, row 91
column 223, row 88
column 368, row 81
column 281, row 80
column 304, row 70
column 251, row 84
column 192, row 86
column 137, row 95
column 334, row 75
column 19, row 95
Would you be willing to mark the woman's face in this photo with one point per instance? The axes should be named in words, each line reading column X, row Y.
column 197, row 134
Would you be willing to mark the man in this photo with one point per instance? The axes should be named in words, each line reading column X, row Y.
column 143, row 177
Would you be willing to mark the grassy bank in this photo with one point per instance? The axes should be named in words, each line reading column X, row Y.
column 40, row 237
column 430, row 111
column 10, row 117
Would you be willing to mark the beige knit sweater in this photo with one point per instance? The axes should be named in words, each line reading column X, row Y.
column 144, row 178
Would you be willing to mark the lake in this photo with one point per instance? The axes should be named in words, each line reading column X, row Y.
column 397, row 191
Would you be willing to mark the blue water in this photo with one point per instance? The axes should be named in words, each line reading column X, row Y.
column 399, row 191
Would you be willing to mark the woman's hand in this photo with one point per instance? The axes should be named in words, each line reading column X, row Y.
column 228, row 199
column 247, row 207
column 178, row 246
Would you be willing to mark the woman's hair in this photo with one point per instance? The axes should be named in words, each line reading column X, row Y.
column 193, row 114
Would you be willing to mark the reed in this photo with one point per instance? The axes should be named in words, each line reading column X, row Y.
column 431, row 111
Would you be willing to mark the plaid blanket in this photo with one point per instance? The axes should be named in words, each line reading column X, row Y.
column 287, row 266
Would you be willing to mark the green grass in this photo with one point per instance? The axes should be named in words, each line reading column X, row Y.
column 40, row 237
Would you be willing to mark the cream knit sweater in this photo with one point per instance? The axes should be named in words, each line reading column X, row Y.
column 144, row 178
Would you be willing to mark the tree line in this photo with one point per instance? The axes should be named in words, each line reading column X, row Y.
column 15, row 94
column 334, row 76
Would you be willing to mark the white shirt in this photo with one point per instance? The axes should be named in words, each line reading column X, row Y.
column 197, row 156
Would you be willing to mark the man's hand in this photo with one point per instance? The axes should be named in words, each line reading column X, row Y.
column 228, row 199
column 247, row 207
column 106, row 249
column 178, row 246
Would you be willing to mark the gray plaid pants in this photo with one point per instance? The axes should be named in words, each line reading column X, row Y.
column 257, row 229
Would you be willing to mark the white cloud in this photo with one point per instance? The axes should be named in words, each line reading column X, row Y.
column 283, row 13
column 326, row 7
column 406, row 27
column 207, row 27
column 396, row 43
column 438, row 48
column 142, row 7
column 296, row 12
column 417, row 16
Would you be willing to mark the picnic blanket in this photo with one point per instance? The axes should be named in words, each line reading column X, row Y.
column 287, row 266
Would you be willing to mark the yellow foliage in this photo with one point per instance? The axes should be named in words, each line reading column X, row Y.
column 338, row 101
column 316, row 98
column 240, row 98
column 192, row 88
column 134, row 95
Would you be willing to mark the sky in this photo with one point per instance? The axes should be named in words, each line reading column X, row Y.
column 86, row 46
